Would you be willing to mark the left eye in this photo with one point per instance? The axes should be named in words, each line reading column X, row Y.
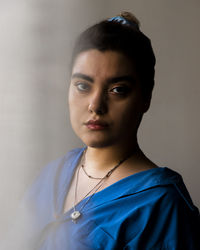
column 122, row 90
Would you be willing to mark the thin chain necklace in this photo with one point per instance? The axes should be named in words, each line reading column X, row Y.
column 77, row 213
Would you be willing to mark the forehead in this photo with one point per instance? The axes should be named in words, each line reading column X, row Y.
column 103, row 64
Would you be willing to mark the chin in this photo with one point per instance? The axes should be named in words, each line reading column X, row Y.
column 98, row 143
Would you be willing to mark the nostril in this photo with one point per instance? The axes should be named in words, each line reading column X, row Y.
column 100, row 111
column 98, row 108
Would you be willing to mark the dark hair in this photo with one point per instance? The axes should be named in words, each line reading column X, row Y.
column 125, row 38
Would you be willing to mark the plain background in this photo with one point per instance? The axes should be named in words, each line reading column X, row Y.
column 36, row 41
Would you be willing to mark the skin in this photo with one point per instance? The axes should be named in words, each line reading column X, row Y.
column 106, row 82
column 105, row 87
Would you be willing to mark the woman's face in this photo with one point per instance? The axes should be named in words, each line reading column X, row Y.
column 105, row 99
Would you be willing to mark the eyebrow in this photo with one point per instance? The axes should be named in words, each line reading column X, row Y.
column 126, row 78
column 82, row 76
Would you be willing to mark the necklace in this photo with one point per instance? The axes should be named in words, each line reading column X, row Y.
column 91, row 177
column 83, row 167
column 76, row 214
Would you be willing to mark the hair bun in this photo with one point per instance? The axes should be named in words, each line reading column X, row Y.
column 131, row 18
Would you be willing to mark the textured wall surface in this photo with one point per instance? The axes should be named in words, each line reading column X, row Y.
column 36, row 41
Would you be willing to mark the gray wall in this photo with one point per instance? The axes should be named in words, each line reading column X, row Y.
column 36, row 41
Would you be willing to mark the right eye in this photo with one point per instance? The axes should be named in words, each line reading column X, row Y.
column 83, row 87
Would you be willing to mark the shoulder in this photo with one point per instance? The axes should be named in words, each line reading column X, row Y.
column 164, row 184
column 173, row 191
column 42, row 190
column 167, row 215
column 169, row 200
column 49, row 172
column 39, row 199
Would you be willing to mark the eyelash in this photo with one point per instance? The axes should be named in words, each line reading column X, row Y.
column 124, row 90
column 85, row 87
column 79, row 84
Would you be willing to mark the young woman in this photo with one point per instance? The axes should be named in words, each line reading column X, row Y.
column 109, row 195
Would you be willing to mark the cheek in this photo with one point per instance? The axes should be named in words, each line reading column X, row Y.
column 74, row 111
column 70, row 96
column 76, row 108
column 128, row 113
column 72, row 103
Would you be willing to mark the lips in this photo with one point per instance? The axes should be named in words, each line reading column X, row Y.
column 96, row 125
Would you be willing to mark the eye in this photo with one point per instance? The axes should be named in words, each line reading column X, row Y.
column 120, row 90
column 81, row 86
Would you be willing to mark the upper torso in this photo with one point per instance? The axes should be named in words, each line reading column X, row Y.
column 147, row 210
column 82, row 186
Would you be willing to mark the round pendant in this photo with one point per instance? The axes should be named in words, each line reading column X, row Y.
column 75, row 215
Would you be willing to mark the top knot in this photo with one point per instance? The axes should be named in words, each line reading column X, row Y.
column 126, row 18
column 130, row 17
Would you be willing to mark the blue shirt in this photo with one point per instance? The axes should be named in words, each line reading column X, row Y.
column 147, row 210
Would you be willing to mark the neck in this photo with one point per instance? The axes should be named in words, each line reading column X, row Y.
column 103, row 159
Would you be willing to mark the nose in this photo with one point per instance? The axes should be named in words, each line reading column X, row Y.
column 98, row 103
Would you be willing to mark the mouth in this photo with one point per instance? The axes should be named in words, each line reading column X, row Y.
column 96, row 125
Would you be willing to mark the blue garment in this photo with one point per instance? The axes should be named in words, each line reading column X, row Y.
column 148, row 210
